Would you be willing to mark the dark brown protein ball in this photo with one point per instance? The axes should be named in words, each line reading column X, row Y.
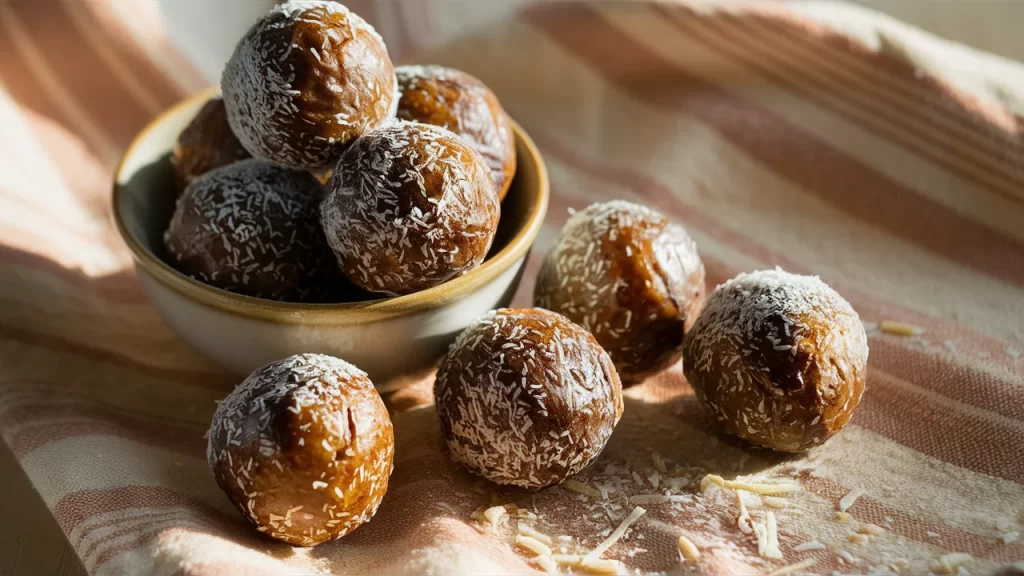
column 306, row 80
column 410, row 206
column 303, row 448
column 630, row 276
column 459, row 102
column 206, row 143
column 253, row 228
column 526, row 397
column 778, row 359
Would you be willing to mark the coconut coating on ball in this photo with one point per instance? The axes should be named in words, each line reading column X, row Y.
column 629, row 275
column 525, row 397
column 410, row 206
column 307, row 79
column 303, row 448
column 778, row 359
column 463, row 104
column 253, row 228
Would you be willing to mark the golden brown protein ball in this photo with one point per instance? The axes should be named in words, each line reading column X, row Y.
column 409, row 206
column 253, row 228
column 306, row 80
column 206, row 143
column 630, row 276
column 526, row 397
column 459, row 102
column 778, row 359
column 303, row 448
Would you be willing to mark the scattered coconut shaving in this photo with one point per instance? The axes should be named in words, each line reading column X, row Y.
column 615, row 535
column 533, row 545
column 900, row 328
column 767, row 537
column 581, row 488
column 648, row 499
column 493, row 516
column 762, row 488
column 950, row 563
column 870, row 529
column 546, row 563
column 598, row 566
column 774, row 502
column 809, row 546
column 772, row 536
column 793, row 568
column 846, row 502
column 539, row 536
column 687, row 548
column 743, row 521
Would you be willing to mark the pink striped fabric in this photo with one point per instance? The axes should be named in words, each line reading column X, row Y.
column 776, row 138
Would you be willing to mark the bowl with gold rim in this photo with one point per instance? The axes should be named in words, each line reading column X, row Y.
column 395, row 339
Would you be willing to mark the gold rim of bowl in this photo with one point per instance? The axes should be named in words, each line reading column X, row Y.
column 335, row 314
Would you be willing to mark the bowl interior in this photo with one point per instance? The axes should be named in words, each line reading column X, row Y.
column 144, row 200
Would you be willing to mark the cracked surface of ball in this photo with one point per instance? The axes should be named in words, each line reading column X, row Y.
column 778, row 359
column 303, row 448
column 629, row 275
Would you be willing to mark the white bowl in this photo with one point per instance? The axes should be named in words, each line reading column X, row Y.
column 395, row 340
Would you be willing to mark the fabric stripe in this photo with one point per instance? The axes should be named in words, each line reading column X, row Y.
column 916, row 99
column 729, row 36
column 855, row 187
column 53, row 343
column 76, row 16
column 61, row 48
column 903, row 414
column 76, row 420
column 140, row 25
column 24, row 58
column 896, row 72
column 896, row 161
column 111, row 37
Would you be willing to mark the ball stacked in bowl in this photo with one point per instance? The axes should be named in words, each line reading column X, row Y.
column 324, row 175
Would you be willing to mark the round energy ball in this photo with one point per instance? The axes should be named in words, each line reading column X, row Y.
column 410, row 206
column 253, row 228
column 303, row 448
column 526, row 397
column 630, row 276
column 778, row 359
column 455, row 100
column 307, row 79
column 206, row 143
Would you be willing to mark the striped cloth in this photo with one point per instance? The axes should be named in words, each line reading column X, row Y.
column 819, row 138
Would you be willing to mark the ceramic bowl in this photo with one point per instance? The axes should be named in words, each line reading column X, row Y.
column 395, row 340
